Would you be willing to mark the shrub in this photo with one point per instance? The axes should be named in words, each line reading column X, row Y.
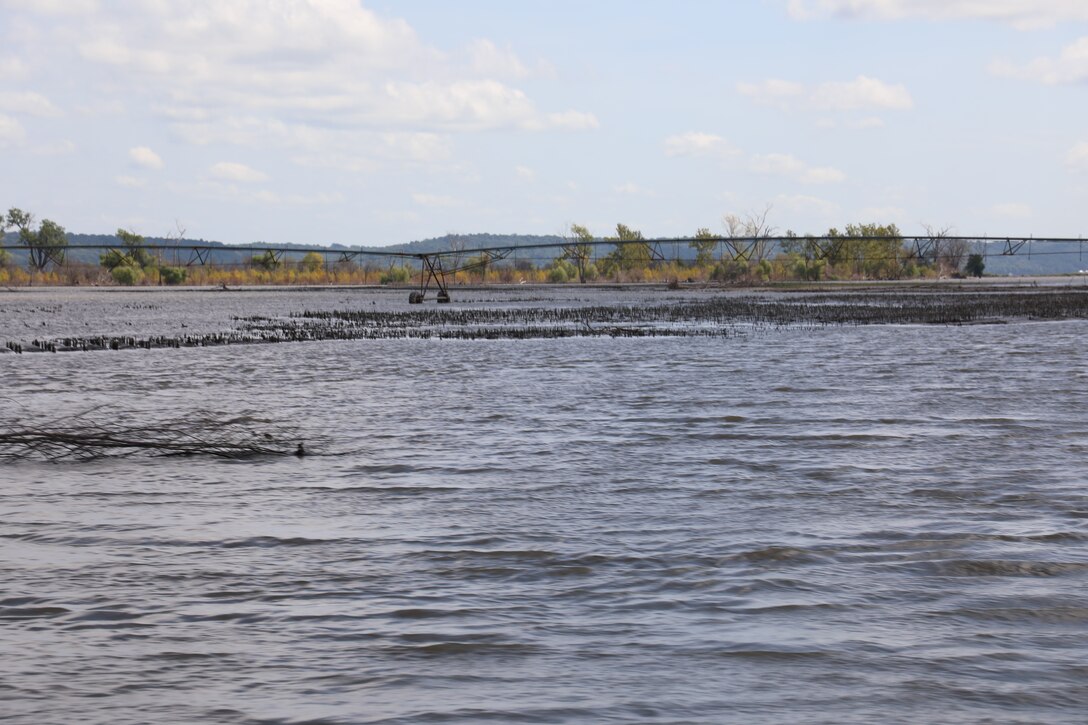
column 730, row 271
column 311, row 262
column 127, row 275
column 764, row 269
column 976, row 265
column 395, row 275
column 266, row 261
column 173, row 275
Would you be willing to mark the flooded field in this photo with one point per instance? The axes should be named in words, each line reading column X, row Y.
column 548, row 506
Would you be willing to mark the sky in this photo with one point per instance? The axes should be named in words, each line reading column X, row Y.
column 379, row 122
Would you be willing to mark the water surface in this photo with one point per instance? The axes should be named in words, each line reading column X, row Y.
column 839, row 525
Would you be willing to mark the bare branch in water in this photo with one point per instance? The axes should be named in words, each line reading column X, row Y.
column 84, row 436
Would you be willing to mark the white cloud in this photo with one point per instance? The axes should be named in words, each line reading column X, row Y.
column 12, row 132
column 794, row 168
column 525, row 173
column 465, row 105
column 220, row 190
column 572, row 121
column 145, row 157
column 252, row 131
column 773, row 92
column 12, row 67
column 102, row 107
column 55, row 7
column 855, row 124
column 867, row 122
column 1011, row 210
column 1069, row 67
column 1078, row 156
column 1021, row 14
column 232, row 171
column 273, row 198
column 28, row 103
column 323, row 63
column 421, row 147
column 58, row 148
column 630, row 188
column 131, row 182
column 489, row 60
column 695, row 143
column 365, row 150
column 355, row 163
column 802, row 204
column 861, row 93
column 435, row 200
column 883, row 214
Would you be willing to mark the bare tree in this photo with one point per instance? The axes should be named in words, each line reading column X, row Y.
column 946, row 254
column 457, row 251
column 955, row 253
column 754, row 234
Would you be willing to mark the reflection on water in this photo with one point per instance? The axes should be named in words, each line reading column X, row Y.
column 847, row 525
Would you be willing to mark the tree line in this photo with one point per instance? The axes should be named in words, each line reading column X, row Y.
column 749, row 252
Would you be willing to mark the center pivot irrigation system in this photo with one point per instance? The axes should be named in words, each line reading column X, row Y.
column 436, row 266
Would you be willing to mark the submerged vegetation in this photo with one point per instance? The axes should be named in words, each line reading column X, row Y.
column 98, row 434
column 677, row 315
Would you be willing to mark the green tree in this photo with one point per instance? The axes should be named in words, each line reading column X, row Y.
column 45, row 244
column 558, row 273
column 133, row 253
column 135, row 246
column 479, row 263
column 631, row 255
column 562, row 270
column 870, row 250
column 807, row 247
column 764, row 269
column 976, row 265
column 578, row 250
column 704, row 245
column 5, row 257
column 267, row 261
column 311, row 262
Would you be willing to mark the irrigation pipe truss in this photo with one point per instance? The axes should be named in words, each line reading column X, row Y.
column 1011, row 245
column 436, row 265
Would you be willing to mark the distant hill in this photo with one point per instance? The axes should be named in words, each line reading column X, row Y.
column 1042, row 258
column 226, row 253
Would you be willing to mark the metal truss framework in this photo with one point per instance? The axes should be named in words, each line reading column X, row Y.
column 436, row 266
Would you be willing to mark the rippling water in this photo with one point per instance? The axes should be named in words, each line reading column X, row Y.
column 845, row 525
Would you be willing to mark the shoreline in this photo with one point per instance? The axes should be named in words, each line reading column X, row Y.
column 973, row 284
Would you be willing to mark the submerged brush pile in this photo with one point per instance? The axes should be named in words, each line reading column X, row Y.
column 86, row 437
column 717, row 316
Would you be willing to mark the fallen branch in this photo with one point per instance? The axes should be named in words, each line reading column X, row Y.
column 80, row 437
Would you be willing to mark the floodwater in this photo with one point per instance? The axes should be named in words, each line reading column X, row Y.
column 851, row 524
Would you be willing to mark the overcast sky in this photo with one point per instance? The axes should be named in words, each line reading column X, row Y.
column 386, row 121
